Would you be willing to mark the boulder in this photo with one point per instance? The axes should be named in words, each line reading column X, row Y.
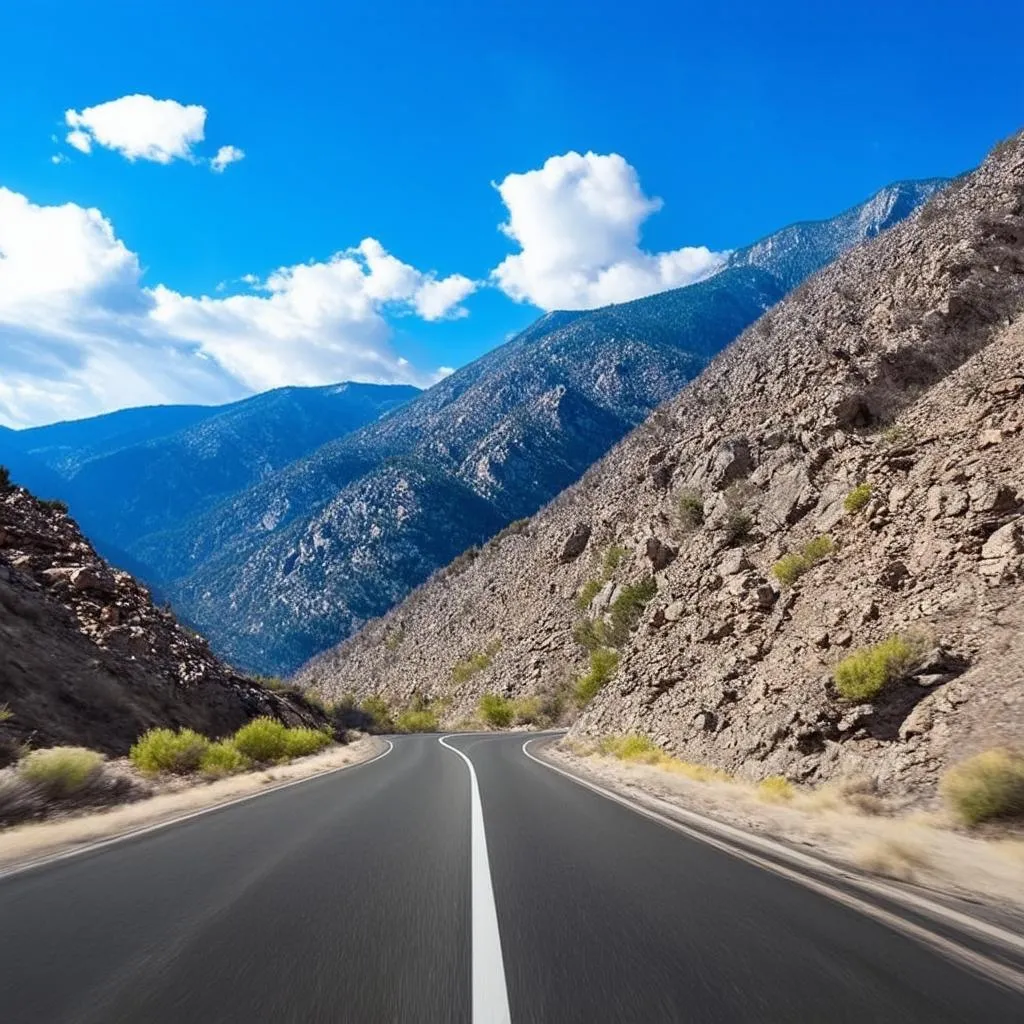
column 660, row 554
column 575, row 543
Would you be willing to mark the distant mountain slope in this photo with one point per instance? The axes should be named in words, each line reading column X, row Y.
column 796, row 252
column 304, row 558
column 139, row 471
column 276, row 574
column 847, row 474
column 277, row 527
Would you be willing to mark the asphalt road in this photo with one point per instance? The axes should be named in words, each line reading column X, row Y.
column 369, row 896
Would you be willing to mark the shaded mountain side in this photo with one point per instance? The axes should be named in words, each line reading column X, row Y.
column 125, row 479
column 847, row 472
column 86, row 658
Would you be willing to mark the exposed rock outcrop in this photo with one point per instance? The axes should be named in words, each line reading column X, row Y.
column 871, row 427
column 87, row 659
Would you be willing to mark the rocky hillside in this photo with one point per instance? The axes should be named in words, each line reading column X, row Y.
column 85, row 656
column 339, row 536
column 871, row 427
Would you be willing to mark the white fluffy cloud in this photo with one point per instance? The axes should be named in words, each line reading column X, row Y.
column 577, row 223
column 81, row 334
column 140, row 127
column 226, row 155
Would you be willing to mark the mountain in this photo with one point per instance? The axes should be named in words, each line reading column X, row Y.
column 86, row 658
column 132, row 473
column 286, row 568
column 809, row 564
column 796, row 252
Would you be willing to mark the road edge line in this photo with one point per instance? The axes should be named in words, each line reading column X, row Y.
column 489, row 991
column 135, row 833
column 1004, row 974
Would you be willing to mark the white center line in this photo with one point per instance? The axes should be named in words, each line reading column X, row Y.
column 490, row 996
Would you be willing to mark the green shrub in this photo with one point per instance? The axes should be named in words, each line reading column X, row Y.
column 863, row 674
column 613, row 559
column 263, row 741
column 221, row 759
column 857, row 498
column 464, row 670
column 990, row 785
column 60, row 772
column 302, row 741
column 627, row 608
column 737, row 527
column 378, row 710
column 496, row 710
column 590, row 633
column 55, row 505
column 164, row 750
column 691, row 509
column 603, row 663
column 394, row 638
column 587, row 593
column 418, row 720
column 5, row 478
column 529, row 711
column 788, row 569
column 6, row 714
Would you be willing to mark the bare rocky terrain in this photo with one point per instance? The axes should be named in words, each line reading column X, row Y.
column 898, row 371
column 86, row 658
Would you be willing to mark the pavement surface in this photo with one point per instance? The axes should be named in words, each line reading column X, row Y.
column 458, row 883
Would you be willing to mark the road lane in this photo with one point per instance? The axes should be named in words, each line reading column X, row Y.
column 350, row 898
column 343, row 899
column 606, row 915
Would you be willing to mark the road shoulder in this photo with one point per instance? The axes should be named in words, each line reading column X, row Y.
column 39, row 842
column 986, row 936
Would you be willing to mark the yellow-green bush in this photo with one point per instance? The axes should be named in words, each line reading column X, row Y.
column 990, row 785
column 603, row 663
column 613, row 559
column 496, row 710
column 587, row 593
column 631, row 747
column 863, row 674
column 857, row 498
column 302, row 741
column 418, row 720
column 60, row 771
column 788, row 569
column 6, row 714
column 379, row 712
column 775, row 789
column 263, row 741
column 464, row 670
column 529, row 711
column 164, row 750
column 221, row 759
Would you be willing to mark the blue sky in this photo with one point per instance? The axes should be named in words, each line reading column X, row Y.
column 391, row 121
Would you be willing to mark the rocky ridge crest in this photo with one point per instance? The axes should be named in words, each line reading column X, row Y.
column 898, row 368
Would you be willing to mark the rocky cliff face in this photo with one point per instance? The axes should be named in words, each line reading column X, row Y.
column 872, row 426
column 87, row 659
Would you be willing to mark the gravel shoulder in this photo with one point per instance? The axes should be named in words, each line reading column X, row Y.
column 175, row 799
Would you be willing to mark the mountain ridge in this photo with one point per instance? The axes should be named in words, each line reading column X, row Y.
column 848, row 471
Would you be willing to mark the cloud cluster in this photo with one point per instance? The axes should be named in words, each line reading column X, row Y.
column 577, row 223
column 140, row 127
column 80, row 332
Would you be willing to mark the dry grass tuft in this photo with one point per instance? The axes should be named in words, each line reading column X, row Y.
column 893, row 858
